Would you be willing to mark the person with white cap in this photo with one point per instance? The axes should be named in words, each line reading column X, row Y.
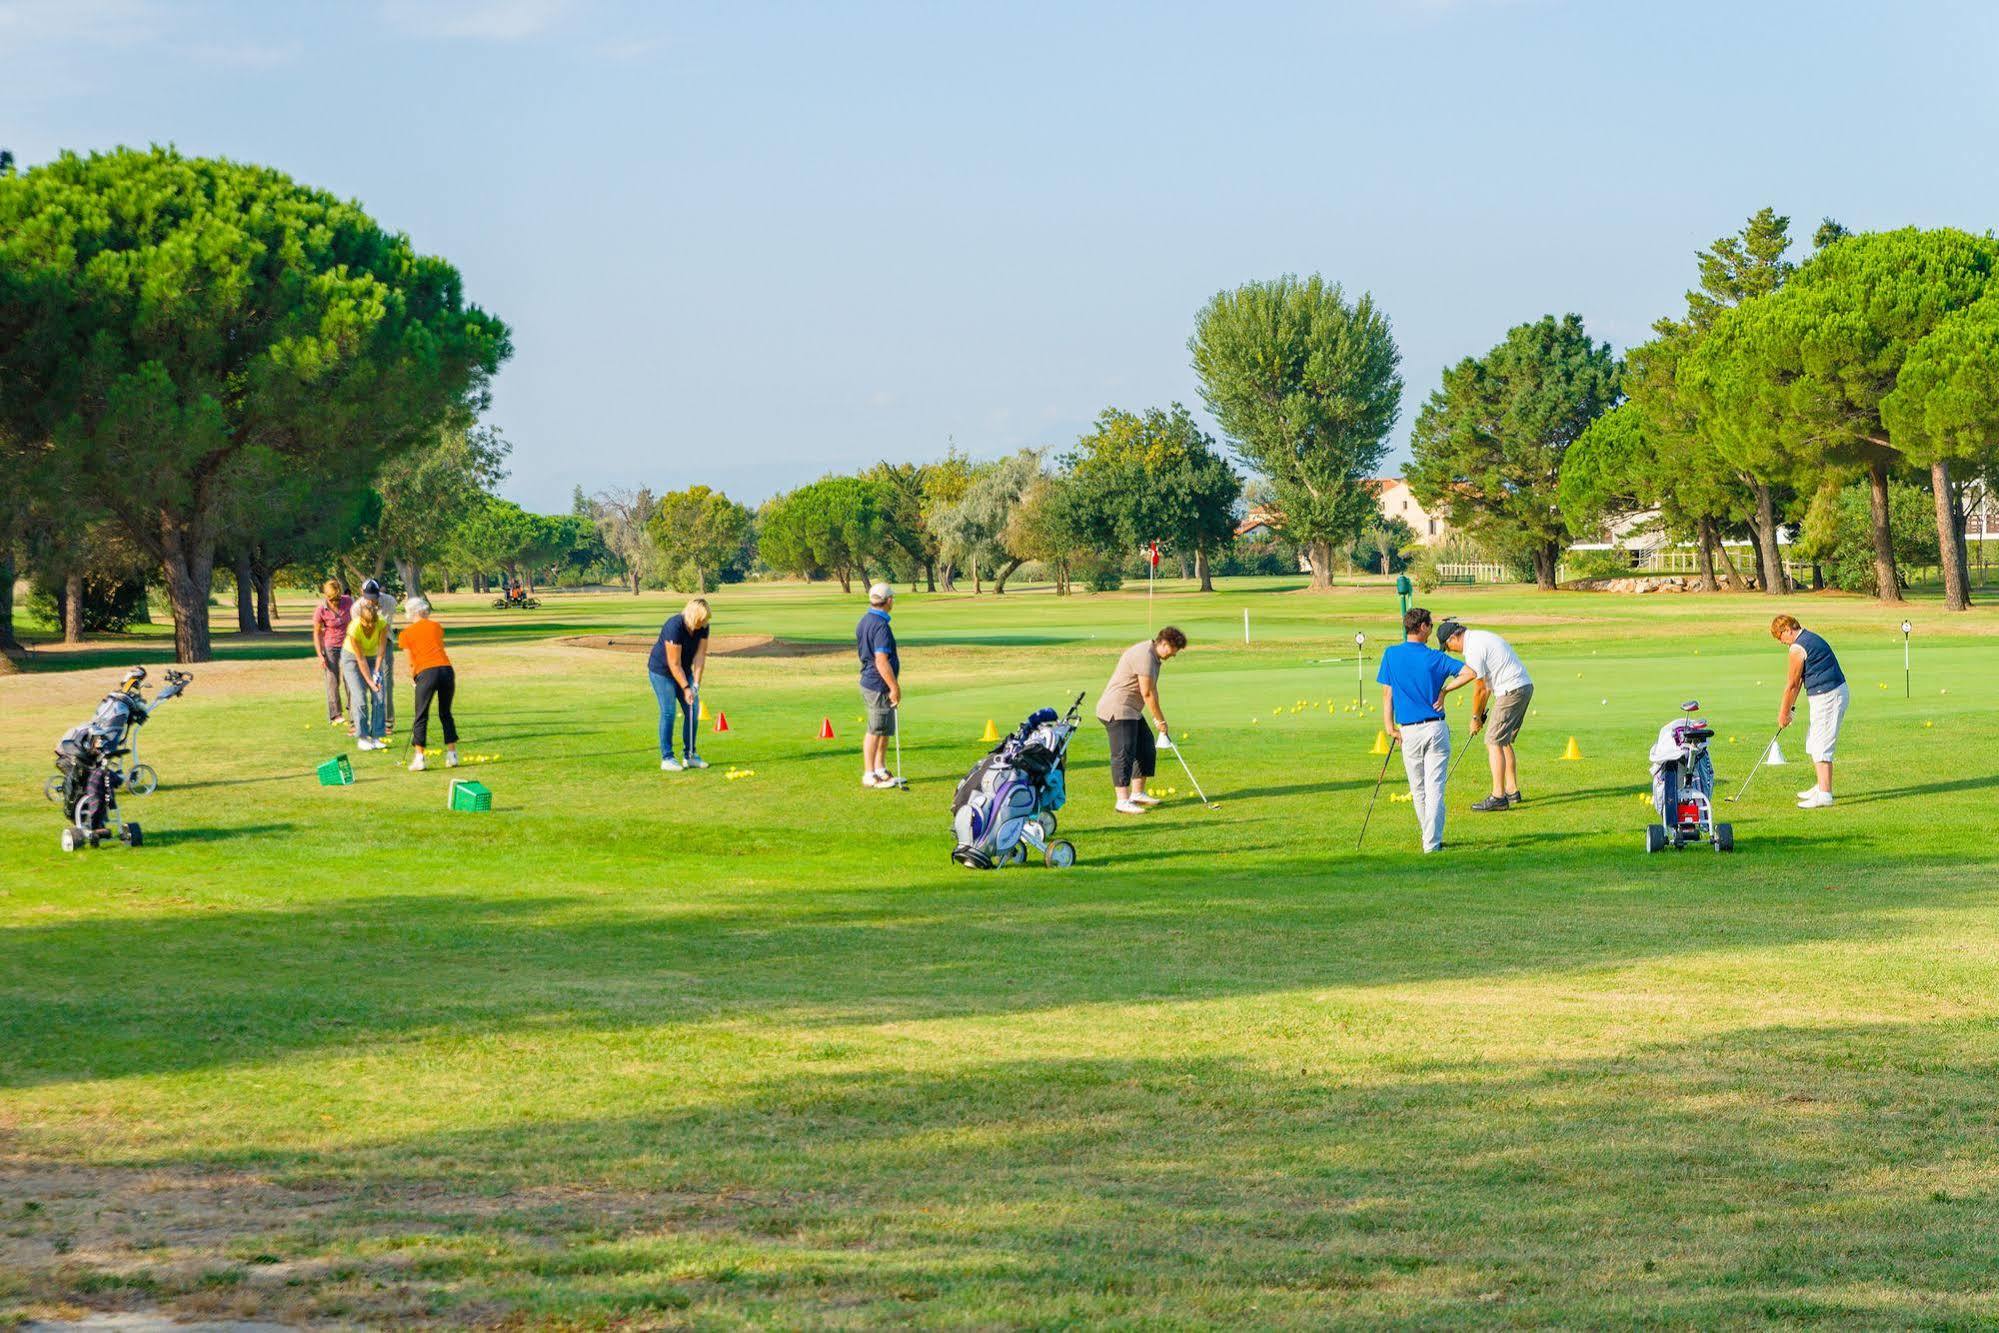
column 881, row 684
column 1501, row 693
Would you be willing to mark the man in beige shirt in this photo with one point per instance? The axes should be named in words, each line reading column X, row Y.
column 1133, row 689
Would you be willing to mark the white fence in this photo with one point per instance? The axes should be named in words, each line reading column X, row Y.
column 1476, row 573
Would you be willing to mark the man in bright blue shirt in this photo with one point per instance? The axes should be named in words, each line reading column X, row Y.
column 1412, row 677
column 881, row 684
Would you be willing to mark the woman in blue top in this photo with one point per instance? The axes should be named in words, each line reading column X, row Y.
column 678, row 657
column 1815, row 670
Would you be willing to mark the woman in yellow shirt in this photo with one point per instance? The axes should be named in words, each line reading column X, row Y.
column 361, row 667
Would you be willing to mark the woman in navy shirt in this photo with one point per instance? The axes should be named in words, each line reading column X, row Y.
column 675, row 666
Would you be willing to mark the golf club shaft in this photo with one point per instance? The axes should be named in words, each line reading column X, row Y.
column 1756, row 767
column 1366, row 818
column 1175, row 747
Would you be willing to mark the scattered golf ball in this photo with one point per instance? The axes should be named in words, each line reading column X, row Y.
column 1603, row 701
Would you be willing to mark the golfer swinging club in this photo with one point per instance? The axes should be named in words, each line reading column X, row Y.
column 881, row 684
column 1815, row 669
column 1134, row 688
column 1501, row 691
column 1412, row 677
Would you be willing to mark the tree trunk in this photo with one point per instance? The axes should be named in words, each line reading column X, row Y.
column 8, row 643
column 1319, row 554
column 1707, row 555
column 1734, row 575
column 846, row 578
column 947, row 576
column 930, row 576
column 246, row 594
column 1769, row 560
column 1547, row 557
column 999, row 579
column 411, row 573
column 978, row 588
column 1201, row 570
column 266, row 604
column 1950, row 546
column 1887, row 585
column 72, row 607
column 190, row 570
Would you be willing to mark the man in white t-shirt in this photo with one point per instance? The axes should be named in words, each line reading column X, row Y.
column 1501, row 691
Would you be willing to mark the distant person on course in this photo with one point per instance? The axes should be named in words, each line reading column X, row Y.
column 422, row 642
column 1815, row 670
column 881, row 684
column 1412, row 678
column 679, row 656
column 1133, row 689
column 1501, row 691
column 329, row 635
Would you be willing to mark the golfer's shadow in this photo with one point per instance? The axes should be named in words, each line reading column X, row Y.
column 168, row 837
column 1923, row 789
column 1295, row 789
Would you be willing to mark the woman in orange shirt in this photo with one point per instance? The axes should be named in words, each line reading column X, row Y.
column 422, row 644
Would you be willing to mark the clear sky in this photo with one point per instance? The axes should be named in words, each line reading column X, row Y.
column 747, row 244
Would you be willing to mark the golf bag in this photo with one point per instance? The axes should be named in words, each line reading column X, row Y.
column 88, row 778
column 1683, row 787
column 1007, row 803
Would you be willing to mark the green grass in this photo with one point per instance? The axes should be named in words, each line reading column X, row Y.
column 641, row 1049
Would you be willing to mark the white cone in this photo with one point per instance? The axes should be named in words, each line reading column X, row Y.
column 1776, row 755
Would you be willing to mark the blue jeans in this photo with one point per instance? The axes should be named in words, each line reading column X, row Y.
column 362, row 698
column 668, row 694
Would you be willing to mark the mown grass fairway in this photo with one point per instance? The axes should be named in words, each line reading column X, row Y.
column 678, row 1049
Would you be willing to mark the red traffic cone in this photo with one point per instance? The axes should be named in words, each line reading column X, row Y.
column 721, row 720
column 825, row 728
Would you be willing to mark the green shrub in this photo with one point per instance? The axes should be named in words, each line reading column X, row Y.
column 1611, row 564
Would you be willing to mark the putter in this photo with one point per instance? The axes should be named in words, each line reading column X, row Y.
column 1393, row 742
column 1174, row 746
column 901, row 783
column 1758, row 765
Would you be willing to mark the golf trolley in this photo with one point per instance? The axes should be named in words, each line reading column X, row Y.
column 89, row 775
column 1683, row 787
column 1005, row 807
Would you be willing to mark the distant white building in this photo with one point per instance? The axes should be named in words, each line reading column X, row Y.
column 1395, row 500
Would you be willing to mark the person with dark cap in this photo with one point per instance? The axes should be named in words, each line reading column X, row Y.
column 1501, row 691
column 1412, row 677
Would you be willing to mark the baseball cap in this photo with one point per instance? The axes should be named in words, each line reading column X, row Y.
column 879, row 593
column 1449, row 630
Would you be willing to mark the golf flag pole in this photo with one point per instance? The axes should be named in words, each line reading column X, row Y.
column 1245, row 624
column 1907, row 690
column 1151, row 576
column 1359, row 667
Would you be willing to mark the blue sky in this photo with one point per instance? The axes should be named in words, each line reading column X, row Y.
column 747, row 244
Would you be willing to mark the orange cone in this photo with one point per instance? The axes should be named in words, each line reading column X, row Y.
column 721, row 720
column 825, row 728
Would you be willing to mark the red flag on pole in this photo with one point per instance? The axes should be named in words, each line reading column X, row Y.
column 1155, row 555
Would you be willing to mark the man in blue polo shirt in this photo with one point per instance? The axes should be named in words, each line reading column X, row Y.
column 1412, row 678
column 881, row 684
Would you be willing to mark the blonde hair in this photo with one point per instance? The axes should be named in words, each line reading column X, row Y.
column 330, row 590
column 1783, row 625
column 696, row 610
column 366, row 614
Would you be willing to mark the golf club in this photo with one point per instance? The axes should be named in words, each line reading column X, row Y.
column 901, row 783
column 1174, row 746
column 1758, row 765
column 1455, row 756
column 1393, row 742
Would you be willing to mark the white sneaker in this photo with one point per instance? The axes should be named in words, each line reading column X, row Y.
column 366, row 744
column 451, row 757
column 416, row 762
column 1130, row 808
column 669, row 766
column 871, row 780
column 694, row 761
column 1141, row 798
column 1807, row 793
column 1817, row 800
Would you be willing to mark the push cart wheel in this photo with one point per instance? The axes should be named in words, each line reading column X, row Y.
column 1655, row 838
column 1018, row 855
column 132, row 835
column 53, row 788
column 1724, row 837
column 73, row 838
column 144, row 780
column 1047, row 821
column 1060, row 855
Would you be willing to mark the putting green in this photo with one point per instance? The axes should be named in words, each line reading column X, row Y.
column 709, row 1049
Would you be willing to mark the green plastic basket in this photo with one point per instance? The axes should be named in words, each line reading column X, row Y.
column 469, row 796
column 336, row 772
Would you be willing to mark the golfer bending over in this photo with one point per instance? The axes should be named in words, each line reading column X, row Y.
column 1814, row 669
column 431, row 672
column 881, row 684
column 1501, row 691
column 1412, row 678
column 1133, row 689
column 679, row 655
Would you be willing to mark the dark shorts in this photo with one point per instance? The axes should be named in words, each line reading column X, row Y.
column 1505, row 714
column 881, row 717
column 1133, row 750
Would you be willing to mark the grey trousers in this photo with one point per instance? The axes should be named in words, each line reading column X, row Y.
column 1426, row 757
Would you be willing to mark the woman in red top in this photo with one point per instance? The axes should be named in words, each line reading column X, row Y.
column 329, row 632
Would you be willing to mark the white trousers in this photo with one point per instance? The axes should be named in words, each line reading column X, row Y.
column 1426, row 757
column 1827, row 711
